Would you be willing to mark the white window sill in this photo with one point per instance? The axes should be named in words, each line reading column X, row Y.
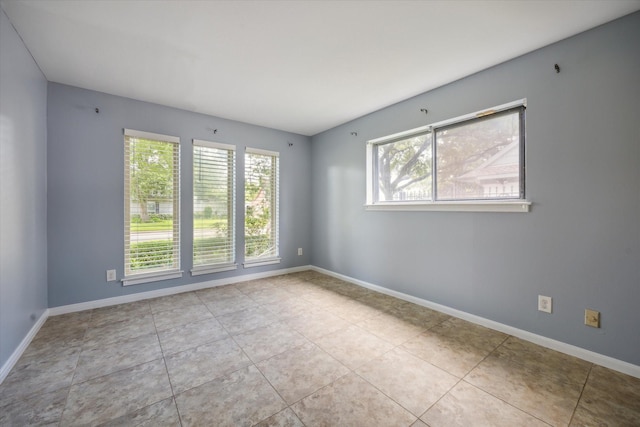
column 261, row 262
column 138, row 279
column 197, row 271
column 461, row 206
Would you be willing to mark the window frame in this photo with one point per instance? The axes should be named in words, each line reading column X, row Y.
column 520, row 204
column 275, row 204
column 199, row 269
column 130, row 277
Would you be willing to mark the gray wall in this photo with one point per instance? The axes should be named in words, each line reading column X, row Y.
column 86, row 181
column 23, row 190
column 580, row 244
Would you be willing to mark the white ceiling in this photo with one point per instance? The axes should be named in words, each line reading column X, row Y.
column 299, row 66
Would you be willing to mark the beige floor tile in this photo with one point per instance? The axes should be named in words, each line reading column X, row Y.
column 251, row 286
column 318, row 323
column 171, row 302
column 467, row 406
column 103, row 399
column 242, row 398
column 44, row 345
column 381, row 302
column 206, row 362
column 33, row 375
column 353, row 346
column 37, row 409
column 419, row 423
column 128, row 328
column 218, row 293
column 538, row 360
column 419, row 316
column 105, row 359
column 407, row 379
column 284, row 418
column 169, row 319
column 291, row 307
column 390, row 328
column 547, row 397
column 248, row 319
column 354, row 311
column 455, row 345
column 227, row 305
column 161, row 414
column 324, row 298
column 116, row 313
column 262, row 343
column 609, row 399
column 298, row 372
column 269, row 296
column 65, row 322
column 351, row 401
column 191, row 335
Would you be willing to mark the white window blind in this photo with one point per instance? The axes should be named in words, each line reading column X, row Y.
column 152, row 206
column 213, row 207
column 261, row 187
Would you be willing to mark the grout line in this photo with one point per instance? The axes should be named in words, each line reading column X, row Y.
column 584, row 386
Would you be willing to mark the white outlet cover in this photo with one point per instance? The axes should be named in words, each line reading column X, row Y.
column 111, row 275
column 544, row 303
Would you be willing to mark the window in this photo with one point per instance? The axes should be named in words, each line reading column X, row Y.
column 261, row 207
column 473, row 162
column 152, row 207
column 214, row 246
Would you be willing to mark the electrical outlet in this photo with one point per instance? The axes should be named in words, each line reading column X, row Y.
column 544, row 303
column 299, row 251
column 592, row 318
column 111, row 275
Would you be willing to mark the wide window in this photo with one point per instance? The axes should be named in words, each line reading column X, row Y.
column 473, row 162
column 152, row 207
column 213, row 207
column 261, row 207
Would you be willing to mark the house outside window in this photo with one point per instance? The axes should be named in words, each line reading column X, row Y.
column 472, row 162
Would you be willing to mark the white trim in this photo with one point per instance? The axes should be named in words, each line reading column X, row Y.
column 210, row 144
column 17, row 353
column 123, row 299
column 262, row 152
column 151, row 277
column 151, row 135
column 261, row 262
column 579, row 352
column 197, row 271
column 454, row 206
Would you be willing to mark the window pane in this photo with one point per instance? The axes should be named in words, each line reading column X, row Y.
column 213, row 206
column 261, row 206
column 480, row 159
column 404, row 169
column 152, row 238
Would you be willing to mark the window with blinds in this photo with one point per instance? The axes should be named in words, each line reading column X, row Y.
column 152, row 207
column 214, row 167
column 261, row 190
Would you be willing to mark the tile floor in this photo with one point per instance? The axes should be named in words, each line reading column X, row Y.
column 302, row 349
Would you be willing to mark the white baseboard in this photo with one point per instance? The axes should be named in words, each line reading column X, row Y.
column 15, row 356
column 63, row 309
column 581, row 353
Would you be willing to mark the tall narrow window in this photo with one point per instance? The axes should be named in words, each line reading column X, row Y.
column 152, row 207
column 261, row 207
column 213, row 207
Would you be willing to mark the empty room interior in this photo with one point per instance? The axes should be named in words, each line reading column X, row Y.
column 320, row 213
